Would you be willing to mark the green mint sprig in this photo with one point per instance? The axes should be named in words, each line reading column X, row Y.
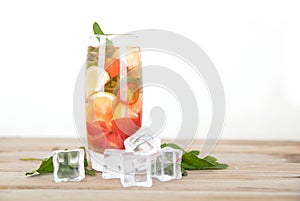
column 191, row 161
column 98, row 31
column 47, row 165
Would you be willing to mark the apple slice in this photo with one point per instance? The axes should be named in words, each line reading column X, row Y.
column 92, row 82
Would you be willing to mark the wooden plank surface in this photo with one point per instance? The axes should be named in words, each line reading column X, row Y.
column 258, row 170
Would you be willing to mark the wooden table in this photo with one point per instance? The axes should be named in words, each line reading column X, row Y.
column 259, row 170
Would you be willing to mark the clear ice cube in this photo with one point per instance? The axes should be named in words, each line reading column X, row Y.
column 68, row 165
column 112, row 163
column 167, row 166
column 143, row 142
column 136, row 170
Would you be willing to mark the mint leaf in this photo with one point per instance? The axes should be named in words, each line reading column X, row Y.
column 97, row 30
column 195, row 152
column 218, row 166
column 45, row 167
column 191, row 161
column 210, row 159
column 90, row 172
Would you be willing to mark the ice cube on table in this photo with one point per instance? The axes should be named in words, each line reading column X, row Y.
column 143, row 142
column 112, row 163
column 136, row 170
column 68, row 165
column 167, row 166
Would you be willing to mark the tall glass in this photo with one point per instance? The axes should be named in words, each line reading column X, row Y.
column 114, row 96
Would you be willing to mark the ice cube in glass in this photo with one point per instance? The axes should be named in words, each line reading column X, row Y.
column 136, row 170
column 112, row 163
column 68, row 165
column 167, row 166
column 143, row 142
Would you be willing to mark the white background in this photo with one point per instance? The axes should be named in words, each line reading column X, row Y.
column 255, row 46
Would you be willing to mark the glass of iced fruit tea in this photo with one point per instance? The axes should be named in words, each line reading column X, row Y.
column 113, row 89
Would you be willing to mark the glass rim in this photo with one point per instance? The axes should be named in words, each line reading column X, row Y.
column 99, row 35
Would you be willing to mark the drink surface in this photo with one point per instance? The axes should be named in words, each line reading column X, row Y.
column 113, row 97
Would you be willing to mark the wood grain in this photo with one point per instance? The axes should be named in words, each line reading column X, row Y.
column 257, row 170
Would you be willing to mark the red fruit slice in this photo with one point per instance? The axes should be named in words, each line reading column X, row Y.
column 125, row 121
column 125, row 127
column 115, row 141
column 113, row 68
column 97, row 127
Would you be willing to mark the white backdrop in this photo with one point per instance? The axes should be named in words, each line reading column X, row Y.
column 255, row 46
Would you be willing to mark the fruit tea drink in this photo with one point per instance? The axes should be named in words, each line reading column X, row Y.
column 113, row 95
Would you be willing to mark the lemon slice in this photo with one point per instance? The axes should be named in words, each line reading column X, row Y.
column 93, row 83
column 103, row 105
